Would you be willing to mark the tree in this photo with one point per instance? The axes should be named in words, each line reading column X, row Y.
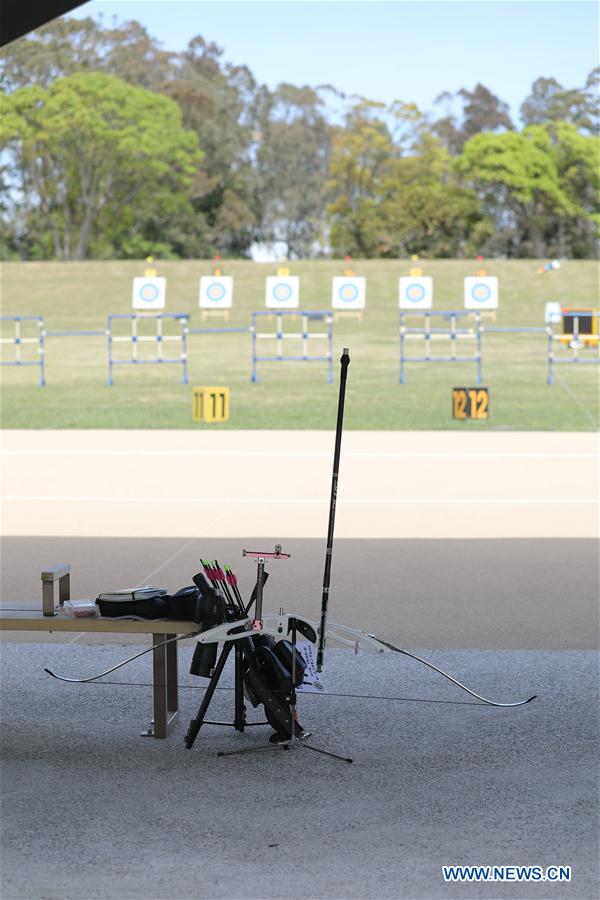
column 91, row 155
column 218, row 103
column 549, row 101
column 478, row 111
column 67, row 46
column 427, row 211
column 517, row 178
column 360, row 154
column 576, row 156
column 292, row 159
column 394, row 191
column 102, row 129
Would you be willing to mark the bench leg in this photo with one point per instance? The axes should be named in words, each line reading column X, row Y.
column 164, row 678
column 172, row 688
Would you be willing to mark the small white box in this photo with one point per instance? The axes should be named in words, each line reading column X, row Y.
column 80, row 609
column 552, row 313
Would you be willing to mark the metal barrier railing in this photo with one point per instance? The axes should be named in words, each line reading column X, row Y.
column 159, row 338
column 576, row 341
column 454, row 334
column 304, row 336
column 18, row 340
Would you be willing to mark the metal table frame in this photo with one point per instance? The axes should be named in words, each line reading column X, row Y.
column 164, row 658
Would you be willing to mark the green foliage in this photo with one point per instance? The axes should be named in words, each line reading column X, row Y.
column 67, row 46
column 396, row 197
column 102, row 129
column 480, row 110
column 92, row 155
column 217, row 104
column 532, row 182
column 549, row 101
column 292, row 162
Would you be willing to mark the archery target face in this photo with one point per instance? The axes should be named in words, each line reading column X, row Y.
column 349, row 292
column 481, row 292
column 282, row 292
column 415, row 293
column 216, row 292
column 149, row 293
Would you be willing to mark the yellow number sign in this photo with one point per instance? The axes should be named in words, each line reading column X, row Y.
column 470, row 403
column 210, row 404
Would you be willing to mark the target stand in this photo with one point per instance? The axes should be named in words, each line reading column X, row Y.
column 302, row 337
column 20, row 337
column 481, row 293
column 135, row 338
column 580, row 336
column 348, row 296
column 452, row 333
column 216, row 296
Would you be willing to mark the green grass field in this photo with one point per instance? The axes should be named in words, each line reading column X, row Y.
column 79, row 296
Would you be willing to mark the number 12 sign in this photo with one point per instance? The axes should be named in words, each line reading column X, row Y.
column 470, row 403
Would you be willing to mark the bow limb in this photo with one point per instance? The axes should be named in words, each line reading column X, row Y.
column 179, row 637
column 354, row 638
column 454, row 681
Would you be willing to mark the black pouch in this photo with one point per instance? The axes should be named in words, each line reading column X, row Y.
column 276, row 664
column 204, row 660
column 198, row 602
column 148, row 608
column 283, row 651
column 183, row 604
column 211, row 607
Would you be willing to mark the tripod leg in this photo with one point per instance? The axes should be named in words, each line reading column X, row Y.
column 283, row 746
column 296, row 737
column 306, row 746
column 196, row 723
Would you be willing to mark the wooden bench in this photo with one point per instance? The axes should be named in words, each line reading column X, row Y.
column 52, row 618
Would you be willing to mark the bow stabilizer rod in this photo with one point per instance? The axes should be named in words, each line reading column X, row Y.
column 344, row 362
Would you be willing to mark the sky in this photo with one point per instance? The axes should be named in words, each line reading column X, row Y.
column 388, row 50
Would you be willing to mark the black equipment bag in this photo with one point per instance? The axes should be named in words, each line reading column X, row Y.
column 211, row 606
column 274, row 659
column 204, row 660
column 184, row 604
column 198, row 602
column 146, row 608
column 277, row 709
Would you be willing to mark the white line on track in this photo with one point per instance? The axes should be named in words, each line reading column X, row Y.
column 299, row 454
column 304, row 500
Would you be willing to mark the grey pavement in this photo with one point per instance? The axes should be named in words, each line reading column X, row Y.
column 93, row 811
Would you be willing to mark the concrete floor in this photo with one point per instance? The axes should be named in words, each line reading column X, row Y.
column 91, row 810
